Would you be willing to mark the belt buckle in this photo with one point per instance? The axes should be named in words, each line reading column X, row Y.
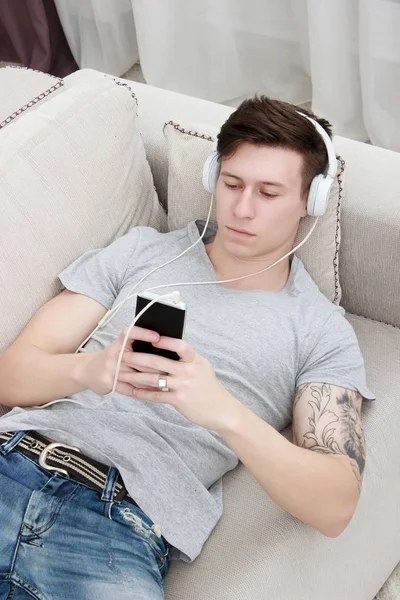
column 49, row 448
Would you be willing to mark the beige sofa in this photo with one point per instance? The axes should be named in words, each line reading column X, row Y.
column 257, row 551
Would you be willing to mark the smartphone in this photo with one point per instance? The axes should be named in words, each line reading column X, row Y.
column 165, row 317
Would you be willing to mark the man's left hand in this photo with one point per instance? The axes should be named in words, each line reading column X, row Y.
column 194, row 389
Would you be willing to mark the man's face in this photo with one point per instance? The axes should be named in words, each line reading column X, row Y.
column 259, row 192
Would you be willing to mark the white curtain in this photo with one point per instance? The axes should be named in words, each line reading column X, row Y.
column 342, row 55
column 100, row 33
column 354, row 54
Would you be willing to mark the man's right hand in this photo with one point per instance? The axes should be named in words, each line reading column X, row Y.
column 97, row 371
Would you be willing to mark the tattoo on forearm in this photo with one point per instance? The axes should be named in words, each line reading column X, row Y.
column 335, row 424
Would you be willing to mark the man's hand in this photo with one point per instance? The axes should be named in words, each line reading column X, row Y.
column 194, row 389
column 97, row 371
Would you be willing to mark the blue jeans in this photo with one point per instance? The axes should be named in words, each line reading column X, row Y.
column 61, row 540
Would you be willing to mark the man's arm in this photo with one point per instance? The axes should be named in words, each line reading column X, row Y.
column 317, row 478
column 40, row 365
column 327, row 419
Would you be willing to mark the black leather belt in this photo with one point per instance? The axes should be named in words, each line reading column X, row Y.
column 68, row 460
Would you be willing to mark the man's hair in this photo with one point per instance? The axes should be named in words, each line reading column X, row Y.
column 266, row 122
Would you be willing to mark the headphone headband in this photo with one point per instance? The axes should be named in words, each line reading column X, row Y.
column 332, row 164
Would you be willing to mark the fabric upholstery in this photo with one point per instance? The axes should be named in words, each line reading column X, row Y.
column 258, row 551
column 73, row 176
column 23, row 89
column 189, row 145
column 370, row 251
column 156, row 107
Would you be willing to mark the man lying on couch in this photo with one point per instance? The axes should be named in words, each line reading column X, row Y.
column 142, row 483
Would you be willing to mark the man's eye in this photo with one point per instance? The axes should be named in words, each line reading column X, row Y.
column 231, row 186
column 269, row 195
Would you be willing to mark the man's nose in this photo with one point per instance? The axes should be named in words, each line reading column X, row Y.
column 244, row 207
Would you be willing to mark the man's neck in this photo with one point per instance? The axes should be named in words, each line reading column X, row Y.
column 228, row 266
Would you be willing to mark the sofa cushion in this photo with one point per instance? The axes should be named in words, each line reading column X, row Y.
column 22, row 89
column 188, row 149
column 257, row 550
column 370, row 251
column 158, row 106
column 73, row 177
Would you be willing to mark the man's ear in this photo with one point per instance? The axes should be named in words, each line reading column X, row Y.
column 304, row 201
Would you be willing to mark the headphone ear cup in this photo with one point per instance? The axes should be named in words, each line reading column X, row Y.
column 312, row 196
column 318, row 195
column 211, row 172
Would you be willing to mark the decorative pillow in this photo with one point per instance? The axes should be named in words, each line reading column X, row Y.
column 21, row 89
column 73, row 177
column 188, row 149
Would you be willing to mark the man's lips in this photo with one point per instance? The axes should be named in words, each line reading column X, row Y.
column 240, row 232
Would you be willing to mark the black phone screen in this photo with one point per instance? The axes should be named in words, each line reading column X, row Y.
column 162, row 318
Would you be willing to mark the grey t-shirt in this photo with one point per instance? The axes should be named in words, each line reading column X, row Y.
column 261, row 344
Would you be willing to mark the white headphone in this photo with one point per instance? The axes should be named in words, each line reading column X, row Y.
column 318, row 195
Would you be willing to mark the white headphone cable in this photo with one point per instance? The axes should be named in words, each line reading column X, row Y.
column 110, row 314
column 114, row 311
column 242, row 276
column 176, row 300
column 174, row 297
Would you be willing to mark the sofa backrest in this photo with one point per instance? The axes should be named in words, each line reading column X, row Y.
column 369, row 263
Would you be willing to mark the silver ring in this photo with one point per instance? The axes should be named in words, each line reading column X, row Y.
column 162, row 383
